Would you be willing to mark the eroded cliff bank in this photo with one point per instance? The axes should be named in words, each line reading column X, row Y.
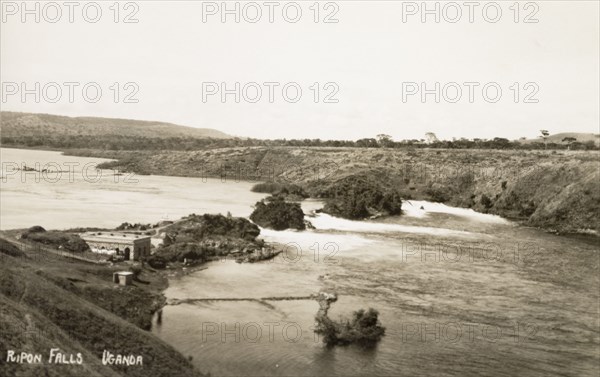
column 553, row 190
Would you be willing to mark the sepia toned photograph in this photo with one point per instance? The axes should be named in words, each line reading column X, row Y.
column 348, row 188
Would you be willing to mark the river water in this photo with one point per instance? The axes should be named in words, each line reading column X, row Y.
column 460, row 293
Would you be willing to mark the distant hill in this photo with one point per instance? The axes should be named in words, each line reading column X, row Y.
column 27, row 124
column 558, row 138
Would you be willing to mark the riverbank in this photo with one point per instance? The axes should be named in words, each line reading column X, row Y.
column 553, row 190
column 185, row 246
column 49, row 301
column 54, row 299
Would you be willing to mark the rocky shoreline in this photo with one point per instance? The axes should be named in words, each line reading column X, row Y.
column 551, row 190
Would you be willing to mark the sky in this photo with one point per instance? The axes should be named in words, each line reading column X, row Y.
column 358, row 77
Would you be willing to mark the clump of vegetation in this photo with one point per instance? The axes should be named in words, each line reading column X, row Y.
column 201, row 237
column 486, row 202
column 363, row 329
column 56, row 239
column 36, row 229
column 455, row 188
column 136, row 226
column 157, row 262
column 86, row 229
column 275, row 213
column 438, row 193
column 136, row 270
column 180, row 251
column 290, row 191
column 10, row 249
column 197, row 227
column 359, row 197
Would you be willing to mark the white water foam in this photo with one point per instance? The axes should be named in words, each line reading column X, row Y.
column 307, row 238
column 412, row 208
column 325, row 222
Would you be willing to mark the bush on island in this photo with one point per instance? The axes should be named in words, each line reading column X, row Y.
column 275, row 213
column 288, row 190
column 363, row 329
column 358, row 197
column 201, row 237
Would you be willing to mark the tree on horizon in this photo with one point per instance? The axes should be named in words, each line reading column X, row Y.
column 569, row 140
column 545, row 134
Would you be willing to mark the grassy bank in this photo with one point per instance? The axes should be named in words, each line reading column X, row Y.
column 48, row 301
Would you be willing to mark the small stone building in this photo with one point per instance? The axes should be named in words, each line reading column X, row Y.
column 130, row 246
column 123, row 277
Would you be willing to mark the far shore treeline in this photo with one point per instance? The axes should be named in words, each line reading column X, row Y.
column 62, row 132
column 123, row 142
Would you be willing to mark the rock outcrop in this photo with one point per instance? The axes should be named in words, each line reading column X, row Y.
column 202, row 237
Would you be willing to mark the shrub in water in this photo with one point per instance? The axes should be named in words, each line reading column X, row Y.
column 276, row 213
